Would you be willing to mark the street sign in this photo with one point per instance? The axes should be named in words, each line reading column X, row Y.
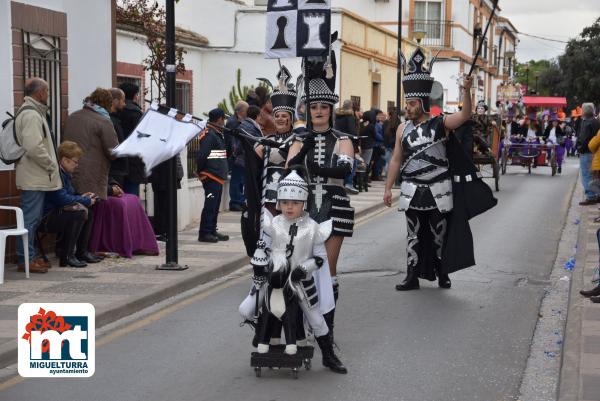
column 508, row 93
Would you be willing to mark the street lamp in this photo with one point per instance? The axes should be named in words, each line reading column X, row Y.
column 419, row 34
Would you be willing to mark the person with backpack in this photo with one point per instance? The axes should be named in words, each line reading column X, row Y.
column 37, row 170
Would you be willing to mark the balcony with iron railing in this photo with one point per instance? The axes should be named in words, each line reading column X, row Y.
column 438, row 33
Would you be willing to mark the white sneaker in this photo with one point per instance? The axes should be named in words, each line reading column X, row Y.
column 262, row 348
column 291, row 349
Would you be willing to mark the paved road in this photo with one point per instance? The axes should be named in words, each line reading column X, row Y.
column 467, row 343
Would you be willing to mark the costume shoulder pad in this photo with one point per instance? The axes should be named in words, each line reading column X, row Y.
column 324, row 231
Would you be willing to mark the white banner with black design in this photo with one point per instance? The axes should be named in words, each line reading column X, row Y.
column 159, row 137
column 298, row 28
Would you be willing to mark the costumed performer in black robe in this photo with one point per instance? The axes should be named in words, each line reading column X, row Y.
column 433, row 189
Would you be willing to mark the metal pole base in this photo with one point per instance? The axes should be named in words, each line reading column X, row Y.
column 172, row 266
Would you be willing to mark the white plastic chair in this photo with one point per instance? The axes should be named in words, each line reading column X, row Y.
column 19, row 231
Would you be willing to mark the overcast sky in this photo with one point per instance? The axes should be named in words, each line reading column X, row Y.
column 554, row 19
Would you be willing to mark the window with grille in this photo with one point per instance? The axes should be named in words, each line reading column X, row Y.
column 182, row 97
column 355, row 101
column 431, row 12
column 131, row 80
column 41, row 59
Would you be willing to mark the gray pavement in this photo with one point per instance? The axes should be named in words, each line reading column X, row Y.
column 468, row 343
column 120, row 287
column 580, row 376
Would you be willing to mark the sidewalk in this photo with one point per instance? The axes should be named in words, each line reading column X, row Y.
column 580, row 373
column 120, row 287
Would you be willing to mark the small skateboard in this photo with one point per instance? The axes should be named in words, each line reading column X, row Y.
column 276, row 358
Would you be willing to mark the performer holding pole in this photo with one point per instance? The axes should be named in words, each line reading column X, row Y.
column 436, row 173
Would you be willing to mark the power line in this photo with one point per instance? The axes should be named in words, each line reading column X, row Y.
column 538, row 37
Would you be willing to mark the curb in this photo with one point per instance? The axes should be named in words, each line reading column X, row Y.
column 542, row 374
column 568, row 386
column 9, row 353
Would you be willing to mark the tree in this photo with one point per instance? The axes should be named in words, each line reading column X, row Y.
column 237, row 93
column 149, row 19
column 580, row 68
column 525, row 74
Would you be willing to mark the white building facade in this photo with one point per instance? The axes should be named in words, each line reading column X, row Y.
column 233, row 37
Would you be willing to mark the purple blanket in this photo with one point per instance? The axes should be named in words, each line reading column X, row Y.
column 121, row 226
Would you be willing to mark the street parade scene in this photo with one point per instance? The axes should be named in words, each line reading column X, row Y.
column 355, row 200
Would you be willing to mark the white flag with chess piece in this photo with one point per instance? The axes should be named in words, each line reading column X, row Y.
column 298, row 28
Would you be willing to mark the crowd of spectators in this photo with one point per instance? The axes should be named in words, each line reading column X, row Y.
column 77, row 190
column 89, row 200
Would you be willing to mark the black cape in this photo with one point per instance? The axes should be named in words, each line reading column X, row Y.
column 472, row 196
column 250, row 221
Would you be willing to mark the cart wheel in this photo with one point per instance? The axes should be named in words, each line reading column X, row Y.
column 504, row 160
column 307, row 364
column 295, row 373
column 257, row 371
column 496, row 170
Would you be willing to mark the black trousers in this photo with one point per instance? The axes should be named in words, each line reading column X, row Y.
column 86, row 233
column 426, row 230
column 161, row 212
column 68, row 227
column 212, row 200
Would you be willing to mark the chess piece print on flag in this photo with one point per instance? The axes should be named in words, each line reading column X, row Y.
column 298, row 28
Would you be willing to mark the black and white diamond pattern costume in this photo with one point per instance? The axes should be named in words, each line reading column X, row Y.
column 426, row 181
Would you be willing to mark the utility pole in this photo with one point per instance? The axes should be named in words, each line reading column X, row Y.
column 399, row 69
column 171, row 71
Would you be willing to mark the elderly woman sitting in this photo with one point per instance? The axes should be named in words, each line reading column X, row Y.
column 66, row 212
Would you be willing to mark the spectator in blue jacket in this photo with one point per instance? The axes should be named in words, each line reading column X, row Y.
column 66, row 212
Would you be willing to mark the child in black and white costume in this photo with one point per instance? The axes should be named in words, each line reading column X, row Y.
column 297, row 271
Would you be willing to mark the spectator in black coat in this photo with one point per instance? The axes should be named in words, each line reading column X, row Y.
column 240, row 112
column 119, row 168
column 236, row 167
column 159, row 178
column 367, row 140
column 129, row 117
column 588, row 128
column 345, row 121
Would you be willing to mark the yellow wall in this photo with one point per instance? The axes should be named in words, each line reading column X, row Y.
column 369, row 51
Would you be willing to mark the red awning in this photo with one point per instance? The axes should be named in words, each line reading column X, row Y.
column 541, row 101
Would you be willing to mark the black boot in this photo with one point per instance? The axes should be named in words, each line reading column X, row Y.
column 330, row 360
column 67, row 257
column 330, row 316
column 88, row 257
column 71, row 261
column 329, row 320
column 444, row 281
column 594, row 292
column 411, row 282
